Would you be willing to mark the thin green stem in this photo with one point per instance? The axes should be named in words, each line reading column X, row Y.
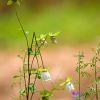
column 80, row 60
column 20, row 83
column 39, row 51
column 27, row 44
column 33, row 85
column 22, row 27
column 29, row 72
column 79, row 79
column 36, row 74
column 28, row 60
column 32, row 40
column 24, row 74
column 96, row 86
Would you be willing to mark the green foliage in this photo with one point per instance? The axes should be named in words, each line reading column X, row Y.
column 24, row 91
column 66, row 81
column 10, row 2
column 45, row 94
column 93, row 90
column 32, row 88
column 18, row 76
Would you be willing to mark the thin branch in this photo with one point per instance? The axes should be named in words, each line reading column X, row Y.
column 33, row 85
column 95, row 72
column 79, row 65
column 24, row 73
column 39, row 51
column 22, row 27
column 36, row 74
column 32, row 40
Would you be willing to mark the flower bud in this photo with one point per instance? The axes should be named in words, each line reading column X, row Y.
column 53, row 39
column 43, row 41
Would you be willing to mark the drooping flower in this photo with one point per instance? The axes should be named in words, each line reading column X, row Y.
column 69, row 86
column 46, row 76
column 76, row 94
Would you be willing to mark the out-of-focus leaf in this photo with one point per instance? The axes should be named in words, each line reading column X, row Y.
column 10, row 2
column 17, row 76
column 85, row 74
column 32, row 87
column 18, row 2
column 23, row 92
column 46, row 93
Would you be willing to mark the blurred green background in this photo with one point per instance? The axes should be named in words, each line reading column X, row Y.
column 77, row 20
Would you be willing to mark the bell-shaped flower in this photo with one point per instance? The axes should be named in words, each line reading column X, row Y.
column 46, row 76
column 76, row 94
column 69, row 86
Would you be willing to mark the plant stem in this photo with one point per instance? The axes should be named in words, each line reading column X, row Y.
column 33, row 85
column 22, row 27
column 27, row 45
column 29, row 72
column 39, row 51
column 36, row 74
column 20, row 82
column 96, row 86
column 79, row 79
column 24, row 74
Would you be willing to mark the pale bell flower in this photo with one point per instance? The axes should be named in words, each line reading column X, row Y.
column 69, row 86
column 45, row 76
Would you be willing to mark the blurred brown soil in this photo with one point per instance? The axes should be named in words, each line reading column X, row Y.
column 60, row 60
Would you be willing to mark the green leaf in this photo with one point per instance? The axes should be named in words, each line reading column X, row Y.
column 98, row 68
column 17, row 76
column 45, row 98
column 23, row 92
column 42, row 69
column 53, row 34
column 46, row 93
column 97, row 82
column 10, row 2
column 42, row 36
column 32, row 87
column 85, row 74
column 57, row 33
column 69, row 79
column 18, row 3
column 62, row 84
column 33, row 70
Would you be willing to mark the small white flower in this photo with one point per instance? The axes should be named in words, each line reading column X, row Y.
column 69, row 86
column 45, row 76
